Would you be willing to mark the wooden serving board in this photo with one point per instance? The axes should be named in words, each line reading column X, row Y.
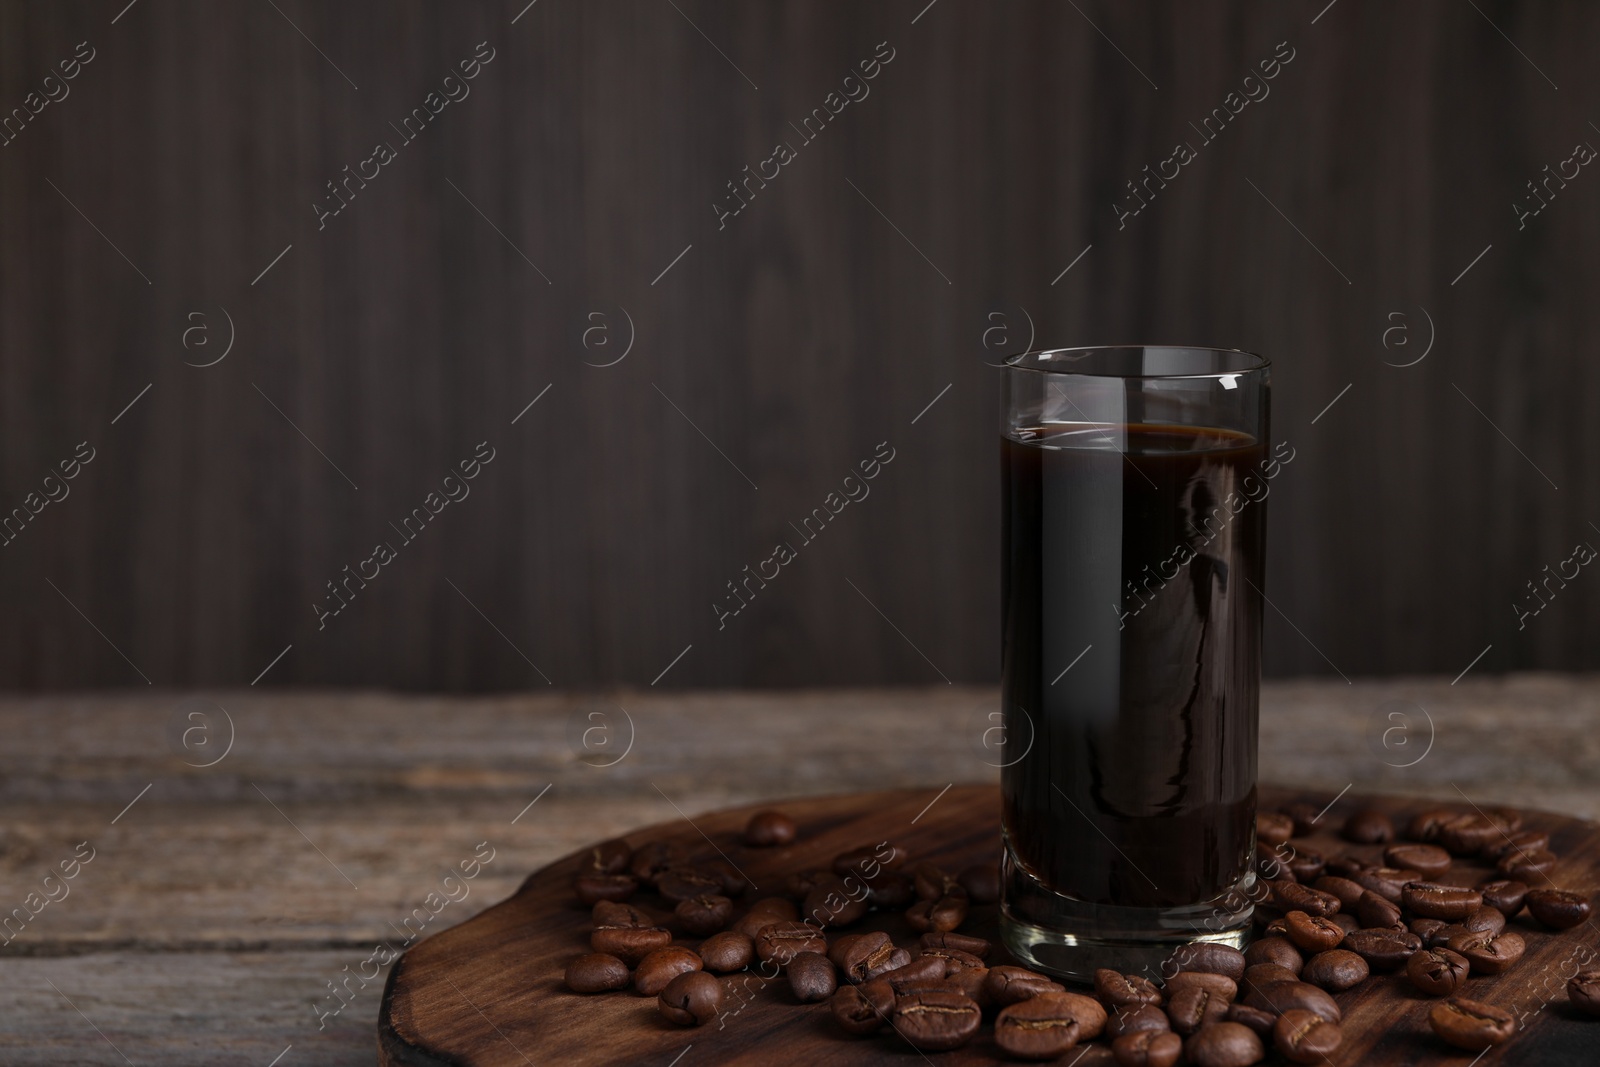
column 489, row 993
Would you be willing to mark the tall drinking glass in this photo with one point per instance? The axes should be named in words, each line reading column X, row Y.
column 1135, row 483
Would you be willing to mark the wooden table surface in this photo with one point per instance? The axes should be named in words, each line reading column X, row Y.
column 219, row 906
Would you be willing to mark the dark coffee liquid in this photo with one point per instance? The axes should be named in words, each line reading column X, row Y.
column 1143, row 542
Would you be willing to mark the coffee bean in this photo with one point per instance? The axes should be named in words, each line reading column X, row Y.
column 981, row 881
column 835, row 901
column 726, row 952
column 1442, row 936
column 691, row 999
column 1224, row 1045
column 937, row 1021
column 1260, row 1021
column 779, row 942
column 1526, row 865
column 891, row 890
column 1431, row 860
column 1147, row 1048
column 1383, row 950
column 767, row 829
column 1437, row 972
column 1335, row 970
column 1348, row 923
column 1283, row 996
column 811, row 977
column 1272, row 864
column 1191, row 1007
column 610, row 913
column 1307, row 864
column 862, row 1009
column 704, row 915
column 1465, row 835
column 918, row 972
column 1506, row 897
column 1386, row 882
column 1290, row 896
column 1218, row 985
column 1010, row 985
column 1303, row 1037
column 596, row 972
column 870, row 860
column 954, row 959
column 1527, row 840
column 977, row 946
column 653, row 858
column 658, row 968
column 1276, row 928
column 1432, row 900
column 1346, row 866
column 1583, row 991
column 1273, row 828
column 1488, row 953
column 1261, row 975
column 1470, row 1025
column 1377, row 913
column 1036, row 1029
column 630, row 944
column 797, row 884
column 1211, row 957
column 1279, row 950
column 1312, row 933
column 1119, row 990
column 1368, row 827
column 594, row 887
column 1557, row 908
column 1348, row 893
column 682, row 883
column 765, row 912
column 1305, row 817
column 1131, row 1020
column 608, row 857
column 942, row 915
column 1427, row 826
column 1484, row 920
column 1426, row 928
column 932, row 882
column 869, row 956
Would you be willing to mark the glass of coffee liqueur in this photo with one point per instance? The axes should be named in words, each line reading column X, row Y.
column 1134, row 485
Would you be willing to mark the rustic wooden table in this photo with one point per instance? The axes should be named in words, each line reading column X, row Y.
column 249, row 849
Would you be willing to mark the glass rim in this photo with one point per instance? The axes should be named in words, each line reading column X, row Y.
column 1254, row 361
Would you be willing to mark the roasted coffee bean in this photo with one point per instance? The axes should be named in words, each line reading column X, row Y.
column 981, row 881
column 1147, row 1048
column 1506, row 897
column 1272, row 864
column 1465, row 835
column 1218, row 985
column 726, row 952
column 658, row 968
column 937, row 1021
column 1307, row 865
column 1261, row 975
column 839, row 946
column 1426, row 928
column 932, row 882
column 1346, row 866
column 1525, row 865
column 1348, row 893
column 1335, row 970
column 609, row 913
column 704, row 915
column 1557, row 908
column 767, row 829
column 1484, row 920
column 1224, row 1045
column 942, row 915
column 833, row 901
column 1291, row 896
column 1282, row 996
column 682, row 883
column 1368, row 827
column 1488, row 953
column 1312, row 933
column 654, row 857
column 1383, row 950
column 1117, row 990
column 1010, row 985
column 864, row 1008
column 977, row 946
column 1527, row 840
column 779, row 942
column 608, row 857
column 1256, row 1019
column 1036, row 1029
column 1305, row 817
column 811, row 977
column 1276, row 928
column 764, row 913
column 630, row 944
column 1211, row 957
column 1303, row 1037
column 918, row 972
column 1469, row 1025
column 1427, row 826
column 1508, row 820
column 1434, row 901
column 1437, row 972
column 1273, row 828
column 1279, row 950
column 1377, row 913
column 891, row 890
column 954, row 959
column 596, row 972
column 1192, row 1007
column 593, row 888
column 691, row 999
column 797, row 884
column 1131, row 1020
column 1387, row 882
column 1583, row 991
column 870, row 860
column 1348, row 923
column 870, row 956
column 1431, row 860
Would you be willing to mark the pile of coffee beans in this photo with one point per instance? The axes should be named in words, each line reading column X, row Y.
column 1325, row 926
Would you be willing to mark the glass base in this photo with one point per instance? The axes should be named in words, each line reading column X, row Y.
column 1069, row 938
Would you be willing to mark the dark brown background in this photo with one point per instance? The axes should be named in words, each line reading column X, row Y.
column 796, row 339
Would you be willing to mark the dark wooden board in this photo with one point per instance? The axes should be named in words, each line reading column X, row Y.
column 489, row 992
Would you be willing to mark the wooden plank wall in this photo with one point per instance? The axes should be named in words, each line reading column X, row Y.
column 174, row 195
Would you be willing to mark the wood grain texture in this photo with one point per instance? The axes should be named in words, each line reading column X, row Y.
column 490, row 991
column 820, row 321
